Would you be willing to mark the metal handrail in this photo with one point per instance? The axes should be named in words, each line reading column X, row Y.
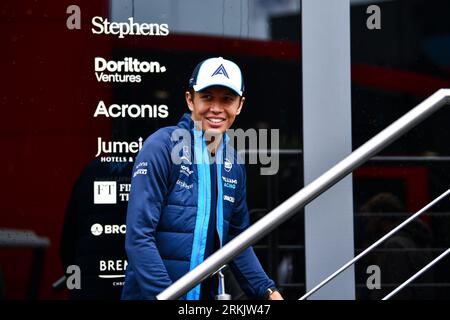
column 428, row 266
column 411, row 159
column 374, row 245
column 300, row 199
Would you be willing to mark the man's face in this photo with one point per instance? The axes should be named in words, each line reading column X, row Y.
column 216, row 107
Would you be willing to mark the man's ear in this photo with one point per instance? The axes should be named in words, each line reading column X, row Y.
column 189, row 100
column 241, row 104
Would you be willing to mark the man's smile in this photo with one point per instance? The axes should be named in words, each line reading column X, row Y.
column 215, row 122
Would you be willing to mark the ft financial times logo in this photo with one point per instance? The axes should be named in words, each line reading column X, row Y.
column 105, row 192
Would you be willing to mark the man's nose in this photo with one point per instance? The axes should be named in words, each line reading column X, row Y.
column 216, row 107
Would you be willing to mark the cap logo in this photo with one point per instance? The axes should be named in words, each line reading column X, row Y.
column 221, row 70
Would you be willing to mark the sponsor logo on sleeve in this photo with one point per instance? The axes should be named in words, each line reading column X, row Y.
column 228, row 198
column 184, row 184
column 141, row 169
column 229, row 183
column 185, row 170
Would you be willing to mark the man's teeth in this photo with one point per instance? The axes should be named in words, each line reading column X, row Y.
column 215, row 120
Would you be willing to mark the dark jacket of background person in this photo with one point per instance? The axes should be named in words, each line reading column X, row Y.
column 403, row 254
column 80, row 247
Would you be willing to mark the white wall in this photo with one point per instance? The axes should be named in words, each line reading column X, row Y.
column 327, row 139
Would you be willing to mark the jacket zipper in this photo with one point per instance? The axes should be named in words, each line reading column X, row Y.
column 204, row 215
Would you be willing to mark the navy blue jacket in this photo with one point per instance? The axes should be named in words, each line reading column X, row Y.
column 169, row 210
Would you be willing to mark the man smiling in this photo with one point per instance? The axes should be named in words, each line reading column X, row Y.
column 180, row 212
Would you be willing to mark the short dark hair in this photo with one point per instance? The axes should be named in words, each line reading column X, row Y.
column 192, row 92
